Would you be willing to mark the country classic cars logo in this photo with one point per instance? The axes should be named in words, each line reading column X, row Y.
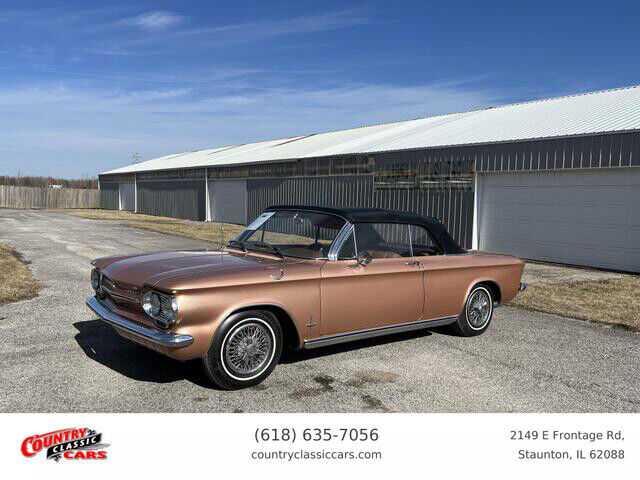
column 70, row 443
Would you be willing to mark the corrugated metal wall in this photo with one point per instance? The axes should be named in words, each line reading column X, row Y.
column 454, row 206
column 326, row 191
column 437, row 182
column 596, row 151
column 109, row 195
column 173, row 198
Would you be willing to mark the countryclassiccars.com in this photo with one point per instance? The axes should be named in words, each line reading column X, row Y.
column 301, row 277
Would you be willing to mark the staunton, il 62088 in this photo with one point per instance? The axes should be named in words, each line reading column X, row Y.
column 300, row 277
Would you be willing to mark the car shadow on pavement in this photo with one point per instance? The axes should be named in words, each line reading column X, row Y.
column 289, row 356
column 102, row 344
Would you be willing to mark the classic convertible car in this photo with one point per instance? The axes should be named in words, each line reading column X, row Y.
column 301, row 277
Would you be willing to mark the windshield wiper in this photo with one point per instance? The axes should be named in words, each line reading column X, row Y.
column 275, row 249
column 237, row 244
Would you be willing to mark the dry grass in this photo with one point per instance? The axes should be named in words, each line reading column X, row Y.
column 207, row 231
column 613, row 301
column 16, row 281
column 113, row 215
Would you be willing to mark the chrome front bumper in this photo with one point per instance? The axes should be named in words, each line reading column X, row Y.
column 522, row 287
column 152, row 335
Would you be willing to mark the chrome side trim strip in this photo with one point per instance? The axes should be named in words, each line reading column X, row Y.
column 153, row 335
column 377, row 332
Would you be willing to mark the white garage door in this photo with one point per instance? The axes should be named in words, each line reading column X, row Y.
column 228, row 201
column 589, row 218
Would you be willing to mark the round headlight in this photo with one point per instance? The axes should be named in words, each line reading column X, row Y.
column 155, row 304
column 95, row 279
column 146, row 302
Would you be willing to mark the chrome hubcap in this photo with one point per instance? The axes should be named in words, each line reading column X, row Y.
column 248, row 349
column 478, row 309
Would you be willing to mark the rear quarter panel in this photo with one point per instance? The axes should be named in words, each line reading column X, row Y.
column 448, row 279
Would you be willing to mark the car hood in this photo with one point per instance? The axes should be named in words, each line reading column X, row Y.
column 184, row 269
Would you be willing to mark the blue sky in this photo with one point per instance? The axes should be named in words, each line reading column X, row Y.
column 85, row 85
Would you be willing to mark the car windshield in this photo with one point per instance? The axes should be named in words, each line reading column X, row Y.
column 295, row 233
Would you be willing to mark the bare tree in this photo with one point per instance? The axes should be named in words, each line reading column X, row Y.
column 32, row 181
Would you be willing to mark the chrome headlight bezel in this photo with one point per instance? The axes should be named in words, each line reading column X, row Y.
column 164, row 312
column 96, row 279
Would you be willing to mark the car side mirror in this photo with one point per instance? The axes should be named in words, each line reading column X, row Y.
column 364, row 258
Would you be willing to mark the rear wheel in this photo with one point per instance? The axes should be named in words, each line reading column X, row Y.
column 477, row 313
column 245, row 350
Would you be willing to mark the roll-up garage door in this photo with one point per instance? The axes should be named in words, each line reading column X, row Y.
column 109, row 195
column 589, row 218
column 228, row 201
column 127, row 196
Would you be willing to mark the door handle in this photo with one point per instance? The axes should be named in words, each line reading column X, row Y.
column 275, row 273
column 412, row 263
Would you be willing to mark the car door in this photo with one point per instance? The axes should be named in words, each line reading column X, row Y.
column 445, row 276
column 387, row 291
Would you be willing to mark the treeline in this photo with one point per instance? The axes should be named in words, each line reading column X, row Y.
column 30, row 181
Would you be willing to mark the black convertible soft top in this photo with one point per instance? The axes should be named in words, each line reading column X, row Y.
column 381, row 215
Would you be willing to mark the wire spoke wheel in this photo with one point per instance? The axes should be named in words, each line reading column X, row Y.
column 479, row 309
column 248, row 349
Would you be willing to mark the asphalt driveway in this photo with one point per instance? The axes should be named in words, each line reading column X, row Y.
column 56, row 357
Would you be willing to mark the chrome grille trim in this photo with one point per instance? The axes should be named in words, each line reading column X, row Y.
column 108, row 286
column 120, row 297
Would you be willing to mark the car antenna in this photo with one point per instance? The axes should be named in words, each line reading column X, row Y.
column 221, row 230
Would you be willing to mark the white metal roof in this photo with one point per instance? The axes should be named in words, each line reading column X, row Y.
column 589, row 113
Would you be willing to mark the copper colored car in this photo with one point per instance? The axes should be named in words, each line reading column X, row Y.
column 300, row 277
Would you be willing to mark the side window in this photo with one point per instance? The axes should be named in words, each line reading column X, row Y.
column 383, row 240
column 422, row 242
column 348, row 249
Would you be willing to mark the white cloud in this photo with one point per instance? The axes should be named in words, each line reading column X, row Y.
column 53, row 17
column 155, row 20
column 67, row 130
column 253, row 31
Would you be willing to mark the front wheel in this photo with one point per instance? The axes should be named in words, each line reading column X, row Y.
column 476, row 315
column 245, row 350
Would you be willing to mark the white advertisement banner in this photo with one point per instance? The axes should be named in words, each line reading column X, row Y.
column 313, row 446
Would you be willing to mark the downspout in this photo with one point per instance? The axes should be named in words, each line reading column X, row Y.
column 135, row 193
column 475, row 240
column 206, row 196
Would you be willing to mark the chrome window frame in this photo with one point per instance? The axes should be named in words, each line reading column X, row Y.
column 342, row 237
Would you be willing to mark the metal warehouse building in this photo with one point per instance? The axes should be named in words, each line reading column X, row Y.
column 554, row 180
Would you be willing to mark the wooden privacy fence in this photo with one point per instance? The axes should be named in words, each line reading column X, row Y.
column 34, row 197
